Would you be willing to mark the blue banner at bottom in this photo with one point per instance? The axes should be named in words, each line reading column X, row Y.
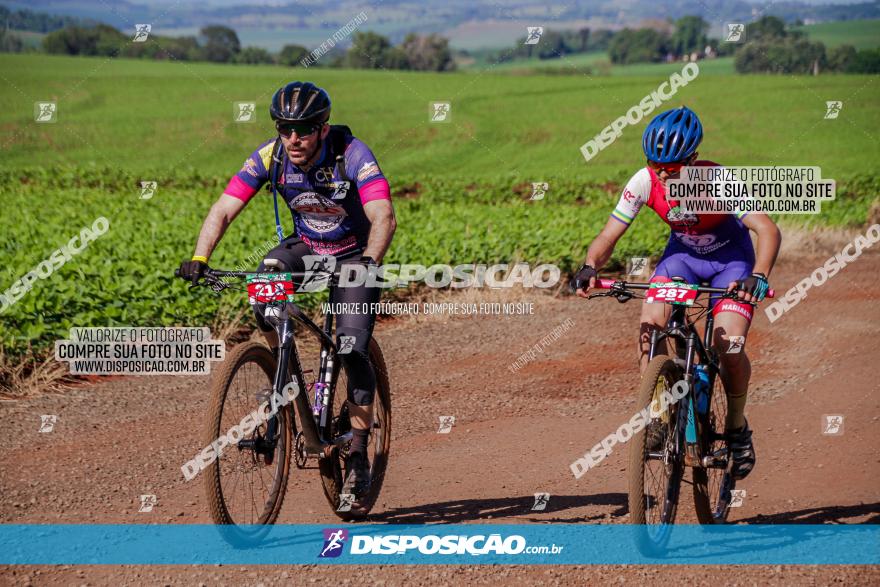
column 470, row 544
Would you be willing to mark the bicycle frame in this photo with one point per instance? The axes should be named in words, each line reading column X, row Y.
column 693, row 438
column 316, row 432
column 688, row 346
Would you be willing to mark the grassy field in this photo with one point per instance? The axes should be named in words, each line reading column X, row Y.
column 861, row 34
column 461, row 189
column 152, row 117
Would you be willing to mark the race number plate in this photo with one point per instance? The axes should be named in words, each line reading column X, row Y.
column 672, row 293
column 263, row 289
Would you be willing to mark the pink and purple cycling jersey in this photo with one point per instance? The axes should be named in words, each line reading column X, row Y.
column 713, row 248
column 328, row 212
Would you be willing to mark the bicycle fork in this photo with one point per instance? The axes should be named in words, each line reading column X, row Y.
column 692, row 445
column 289, row 357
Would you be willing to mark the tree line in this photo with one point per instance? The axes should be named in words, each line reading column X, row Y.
column 769, row 47
column 40, row 22
column 220, row 44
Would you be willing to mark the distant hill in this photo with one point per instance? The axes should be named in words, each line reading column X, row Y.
column 467, row 23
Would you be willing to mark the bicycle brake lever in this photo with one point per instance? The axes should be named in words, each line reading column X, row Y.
column 623, row 297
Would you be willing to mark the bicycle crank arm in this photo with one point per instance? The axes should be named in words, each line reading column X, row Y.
column 724, row 498
column 342, row 439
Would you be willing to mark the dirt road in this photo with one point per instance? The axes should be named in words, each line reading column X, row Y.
column 514, row 435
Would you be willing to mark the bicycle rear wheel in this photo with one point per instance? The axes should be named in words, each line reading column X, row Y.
column 247, row 482
column 712, row 485
column 656, row 467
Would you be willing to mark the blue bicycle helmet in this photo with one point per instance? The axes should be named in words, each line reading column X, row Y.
column 672, row 136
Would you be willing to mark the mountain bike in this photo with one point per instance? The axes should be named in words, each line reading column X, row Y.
column 259, row 393
column 684, row 433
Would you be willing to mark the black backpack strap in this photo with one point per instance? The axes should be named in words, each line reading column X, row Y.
column 338, row 137
column 275, row 163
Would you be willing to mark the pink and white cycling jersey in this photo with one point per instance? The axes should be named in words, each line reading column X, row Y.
column 702, row 234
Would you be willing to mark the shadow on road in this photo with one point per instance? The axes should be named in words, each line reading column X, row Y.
column 458, row 511
column 558, row 511
column 837, row 514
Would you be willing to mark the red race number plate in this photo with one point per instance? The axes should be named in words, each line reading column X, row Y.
column 264, row 289
column 672, row 293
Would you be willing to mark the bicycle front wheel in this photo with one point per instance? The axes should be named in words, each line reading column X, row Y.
column 656, row 464
column 712, row 485
column 247, row 481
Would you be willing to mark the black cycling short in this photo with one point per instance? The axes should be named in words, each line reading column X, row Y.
column 361, row 377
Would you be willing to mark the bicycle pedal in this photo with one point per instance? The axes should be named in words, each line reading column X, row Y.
column 717, row 460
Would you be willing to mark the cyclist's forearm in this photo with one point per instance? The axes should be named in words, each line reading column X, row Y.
column 769, row 241
column 381, row 232
column 215, row 225
column 599, row 252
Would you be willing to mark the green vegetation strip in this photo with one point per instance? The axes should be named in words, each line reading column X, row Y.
column 125, row 276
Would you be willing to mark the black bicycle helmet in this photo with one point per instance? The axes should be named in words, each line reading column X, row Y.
column 300, row 102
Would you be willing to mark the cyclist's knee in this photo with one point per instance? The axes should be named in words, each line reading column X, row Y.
column 646, row 327
column 361, row 378
column 653, row 316
column 734, row 362
column 258, row 310
column 361, row 396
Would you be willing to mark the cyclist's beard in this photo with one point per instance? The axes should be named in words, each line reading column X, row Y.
column 304, row 158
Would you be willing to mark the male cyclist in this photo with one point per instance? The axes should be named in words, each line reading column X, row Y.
column 341, row 207
column 714, row 248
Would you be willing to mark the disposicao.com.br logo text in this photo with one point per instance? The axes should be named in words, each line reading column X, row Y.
column 453, row 544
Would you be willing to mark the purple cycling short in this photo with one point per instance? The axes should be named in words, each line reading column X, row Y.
column 718, row 269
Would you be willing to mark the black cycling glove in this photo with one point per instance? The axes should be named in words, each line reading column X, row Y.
column 192, row 270
column 581, row 279
column 756, row 285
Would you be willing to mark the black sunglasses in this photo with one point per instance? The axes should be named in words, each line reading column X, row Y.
column 300, row 128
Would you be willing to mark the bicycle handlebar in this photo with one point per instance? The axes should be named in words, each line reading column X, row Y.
column 294, row 274
column 211, row 277
column 222, row 273
column 612, row 283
